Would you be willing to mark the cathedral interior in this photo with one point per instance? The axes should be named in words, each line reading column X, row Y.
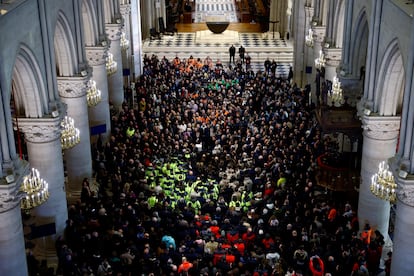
column 73, row 72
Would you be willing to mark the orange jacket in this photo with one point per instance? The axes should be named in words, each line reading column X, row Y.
column 185, row 266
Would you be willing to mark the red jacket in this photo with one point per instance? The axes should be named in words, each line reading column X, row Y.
column 316, row 271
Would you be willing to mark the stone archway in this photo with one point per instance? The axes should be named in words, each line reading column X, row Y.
column 360, row 46
column 390, row 84
column 65, row 51
column 338, row 28
column 90, row 23
column 29, row 92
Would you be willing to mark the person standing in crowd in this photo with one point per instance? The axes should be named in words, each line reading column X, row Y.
column 248, row 61
column 232, row 52
column 185, row 266
column 267, row 65
column 273, row 67
column 242, row 52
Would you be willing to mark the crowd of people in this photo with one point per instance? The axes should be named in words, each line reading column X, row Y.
column 210, row 170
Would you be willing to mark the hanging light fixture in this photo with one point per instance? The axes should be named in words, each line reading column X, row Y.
column 309, row 38
column 336, row 96
column 36, row 190
column 320, row 61
column 124, row 41
column 111, row 65
column 383, row 184
column 93, row 95
column 70, row 135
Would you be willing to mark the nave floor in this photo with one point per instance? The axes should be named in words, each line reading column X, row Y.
column 258, row 45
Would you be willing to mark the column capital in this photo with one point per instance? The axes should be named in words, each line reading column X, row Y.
column 113, row 31
column 405, row 190
column 10, row 195
column 41, row 130
column 333, row 56
column 96, row 55
column 381, row 127
column 309, row 11
column 125, row 9
column 319, row 33
column 73, row 87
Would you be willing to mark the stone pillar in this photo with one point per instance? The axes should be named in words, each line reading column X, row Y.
column 380, row 142
column 115, row 81
column 44, row 150
column 136, row 40
column 148, row 19
column 318, row 37
column 78, row 159
column 333, row 59
column 288, row 19
column 347, row 37
column 404, row 223
column 126, row 52
column 303, row 55
column 99, row 114
column 402, row 257
column 12, row 244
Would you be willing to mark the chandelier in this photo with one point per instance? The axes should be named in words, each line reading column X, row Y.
column 309, row 38
column 320, row 61
column 111, row 65
column 36, row 190
column 336, row 95
column 383, row 185
column 70, row 135
column 124, row 41
column 93, row 95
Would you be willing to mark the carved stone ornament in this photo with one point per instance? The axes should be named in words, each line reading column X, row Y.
column 319, row 33
column 41, row 130
column 113, row 31
column 96, row 55
column 9, row 201
column 72, row 87
column 381, row 127
column 125, row 9
column 10, row 195
column 405, row 193
column 333, row 56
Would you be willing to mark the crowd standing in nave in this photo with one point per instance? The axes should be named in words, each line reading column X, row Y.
column 212, row 172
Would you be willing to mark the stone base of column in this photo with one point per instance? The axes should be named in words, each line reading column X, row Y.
column 73, row 197
column 387, row 247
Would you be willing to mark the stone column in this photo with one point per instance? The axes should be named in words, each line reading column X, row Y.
column 136, row 40
column 126, row 52
column 99, row 114
column 402, row 257
column 148, row 19
column 347, row 37
column 115, row 81
column 12, row 244
column 404, row 223
column 303, row 54
column 44, row 150
column 318, row 37
column 78, row 159
column 380, row 142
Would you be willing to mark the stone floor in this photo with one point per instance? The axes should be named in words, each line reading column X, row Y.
column 259, row 46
